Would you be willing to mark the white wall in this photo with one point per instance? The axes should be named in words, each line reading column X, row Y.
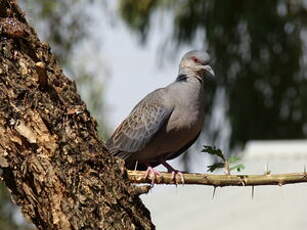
column 273, row 207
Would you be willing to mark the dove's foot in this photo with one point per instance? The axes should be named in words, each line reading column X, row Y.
column 152, row 174
column 174, row 172
column 180, row 174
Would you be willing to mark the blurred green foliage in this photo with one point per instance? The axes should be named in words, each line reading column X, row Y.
column 60, row 23
column 258, row 53
column 138, row 14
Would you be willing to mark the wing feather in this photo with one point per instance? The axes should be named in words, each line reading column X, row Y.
column 140, row 126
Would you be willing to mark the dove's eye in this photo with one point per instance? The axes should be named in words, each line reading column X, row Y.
column 195, row 59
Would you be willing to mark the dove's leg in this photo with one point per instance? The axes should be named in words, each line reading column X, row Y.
column 173, row 171
column 151, row 174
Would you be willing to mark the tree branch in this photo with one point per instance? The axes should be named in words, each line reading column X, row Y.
column 222, row 180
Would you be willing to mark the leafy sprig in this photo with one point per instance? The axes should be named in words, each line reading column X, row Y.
column 228, row 165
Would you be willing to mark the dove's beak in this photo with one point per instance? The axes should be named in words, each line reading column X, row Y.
column 209, row 70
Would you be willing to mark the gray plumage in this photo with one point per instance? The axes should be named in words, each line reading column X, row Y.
column 168, row 120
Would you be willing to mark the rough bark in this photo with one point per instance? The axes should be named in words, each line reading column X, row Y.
column 54, row 163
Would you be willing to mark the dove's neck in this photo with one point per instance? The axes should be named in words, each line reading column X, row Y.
column 186, row 74
column 187, row 96
column 188, row 87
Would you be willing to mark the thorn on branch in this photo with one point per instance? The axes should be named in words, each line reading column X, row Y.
column 214, row 191
column 136, row 165
column 243, row 182
column 267, row 172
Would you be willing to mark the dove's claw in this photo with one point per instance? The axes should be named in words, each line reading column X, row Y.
column 174, row 172
column 180, row 174
column 152, row 174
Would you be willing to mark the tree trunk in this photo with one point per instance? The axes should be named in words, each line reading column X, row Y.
column 53, row 161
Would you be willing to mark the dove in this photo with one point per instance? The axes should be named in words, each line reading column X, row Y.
column 167, row 121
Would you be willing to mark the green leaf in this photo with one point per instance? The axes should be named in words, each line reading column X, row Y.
column 237, row 167
column 227, row 163
column 233, row 159
column 212, row 150
column 215, row 166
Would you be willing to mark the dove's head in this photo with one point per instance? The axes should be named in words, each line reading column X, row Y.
column 196, row 62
